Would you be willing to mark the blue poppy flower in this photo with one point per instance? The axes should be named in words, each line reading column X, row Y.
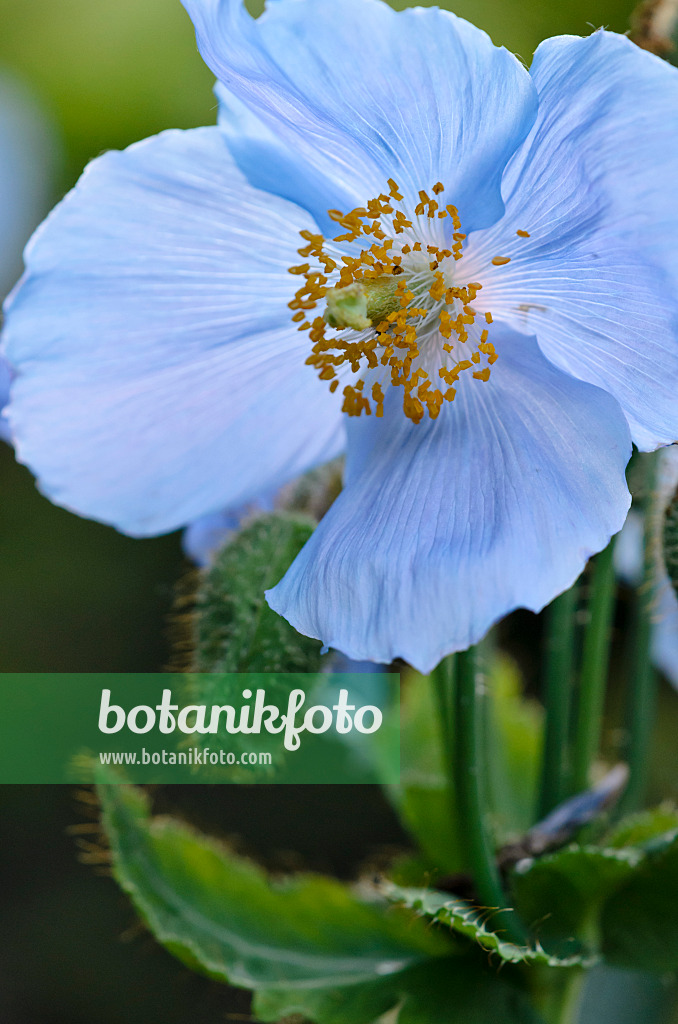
column 482, row 311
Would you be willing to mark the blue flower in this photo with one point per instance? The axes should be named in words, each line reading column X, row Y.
column 504, row 296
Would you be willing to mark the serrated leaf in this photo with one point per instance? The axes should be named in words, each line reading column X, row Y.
column 560, row 895
column 467, row 920
column 235, row 630
column 647, row 828
column 221, row 913
column 456, row 990
column 639, row 924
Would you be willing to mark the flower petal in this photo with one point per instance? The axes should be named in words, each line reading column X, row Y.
column 594, row 185
column 270, row 164
column 205, row 536
column 159, row 376
column 364, row 94
column 446, row 526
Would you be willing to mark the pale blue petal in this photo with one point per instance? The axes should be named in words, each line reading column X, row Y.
column 446, row 526
column 594, row 185
column 159, row 376
column 270, row 164
column 204, row 537
column 617, row 104
column 364, row 94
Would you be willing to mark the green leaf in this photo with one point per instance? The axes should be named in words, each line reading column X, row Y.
column 235, row 630
column 612, row 996
column 455, row 990
column 422, row 799
column 469, row 921
column 560, row 895
column 308, row 947
column 618, row 902
column 639, row 923
column 670, row 540
column 220, row 913
column 647, row 828
column 514, row 762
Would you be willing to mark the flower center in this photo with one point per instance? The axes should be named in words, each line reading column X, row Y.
column 395, row 307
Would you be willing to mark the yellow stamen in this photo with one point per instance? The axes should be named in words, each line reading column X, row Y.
column 387, row 302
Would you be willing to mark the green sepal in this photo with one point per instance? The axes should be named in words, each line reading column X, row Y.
column 234, row 629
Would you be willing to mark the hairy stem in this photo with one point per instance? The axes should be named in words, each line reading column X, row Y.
column 594, row 669
column 470, row 757
column 559, row 682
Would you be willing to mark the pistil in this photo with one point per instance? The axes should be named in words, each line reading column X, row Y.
column 393, row 306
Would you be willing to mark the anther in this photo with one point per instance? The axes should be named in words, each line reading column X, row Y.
column 385, row 307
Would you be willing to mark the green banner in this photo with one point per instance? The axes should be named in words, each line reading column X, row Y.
column 200, row 728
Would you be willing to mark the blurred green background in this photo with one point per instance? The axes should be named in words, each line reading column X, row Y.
column 76, row 596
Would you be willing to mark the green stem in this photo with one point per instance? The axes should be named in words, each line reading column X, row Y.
column 469, row 789
column 558, row 674
column 594, row 668
column 642, row 692
column 561, row 1003
column 443, row 679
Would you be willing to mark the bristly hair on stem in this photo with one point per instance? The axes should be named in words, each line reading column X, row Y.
column 594, row 670
column 559, row 658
